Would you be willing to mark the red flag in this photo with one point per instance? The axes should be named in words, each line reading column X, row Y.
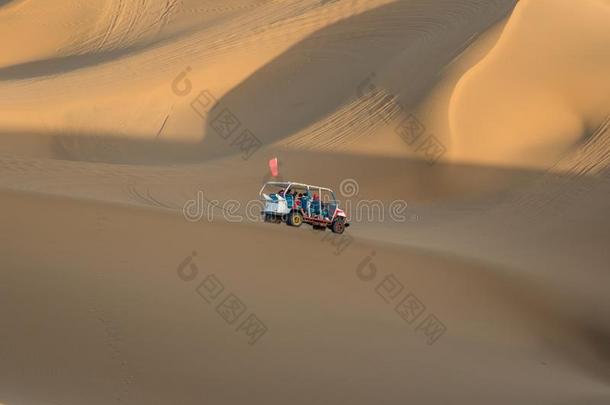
column 274, row 166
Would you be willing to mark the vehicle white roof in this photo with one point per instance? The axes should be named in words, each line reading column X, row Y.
column 286, row 184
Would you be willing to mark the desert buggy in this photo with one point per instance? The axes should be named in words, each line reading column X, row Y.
column 297, row 203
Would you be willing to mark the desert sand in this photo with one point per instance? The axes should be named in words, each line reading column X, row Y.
column 486, row 121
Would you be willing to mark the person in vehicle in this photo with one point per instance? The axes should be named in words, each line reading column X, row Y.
column 293, row 199
column 315, row 204
column 305, row 202
column 289, row 198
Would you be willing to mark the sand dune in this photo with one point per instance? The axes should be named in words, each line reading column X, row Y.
column 548, row 95
column 502, row 246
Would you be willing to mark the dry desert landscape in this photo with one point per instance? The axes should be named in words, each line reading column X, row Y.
column 468, row 142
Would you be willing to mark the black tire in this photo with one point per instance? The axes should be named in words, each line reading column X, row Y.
column 295, row 219
column 272, row 219
column 338, row 226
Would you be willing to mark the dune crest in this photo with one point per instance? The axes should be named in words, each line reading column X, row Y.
column 540, row 91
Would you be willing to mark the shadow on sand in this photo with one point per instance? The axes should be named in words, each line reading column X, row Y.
column 405, row 43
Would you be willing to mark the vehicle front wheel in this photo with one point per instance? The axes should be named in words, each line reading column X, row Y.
column 338, row 226
column 272, row 218
column 295, row 219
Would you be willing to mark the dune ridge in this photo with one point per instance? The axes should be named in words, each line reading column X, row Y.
column 551, row 95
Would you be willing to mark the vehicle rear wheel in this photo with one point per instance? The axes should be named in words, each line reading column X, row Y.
column 338, row 226
column 295, row 219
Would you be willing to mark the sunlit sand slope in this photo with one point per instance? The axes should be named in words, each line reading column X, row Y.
column 300, row 71
column 542, row 90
